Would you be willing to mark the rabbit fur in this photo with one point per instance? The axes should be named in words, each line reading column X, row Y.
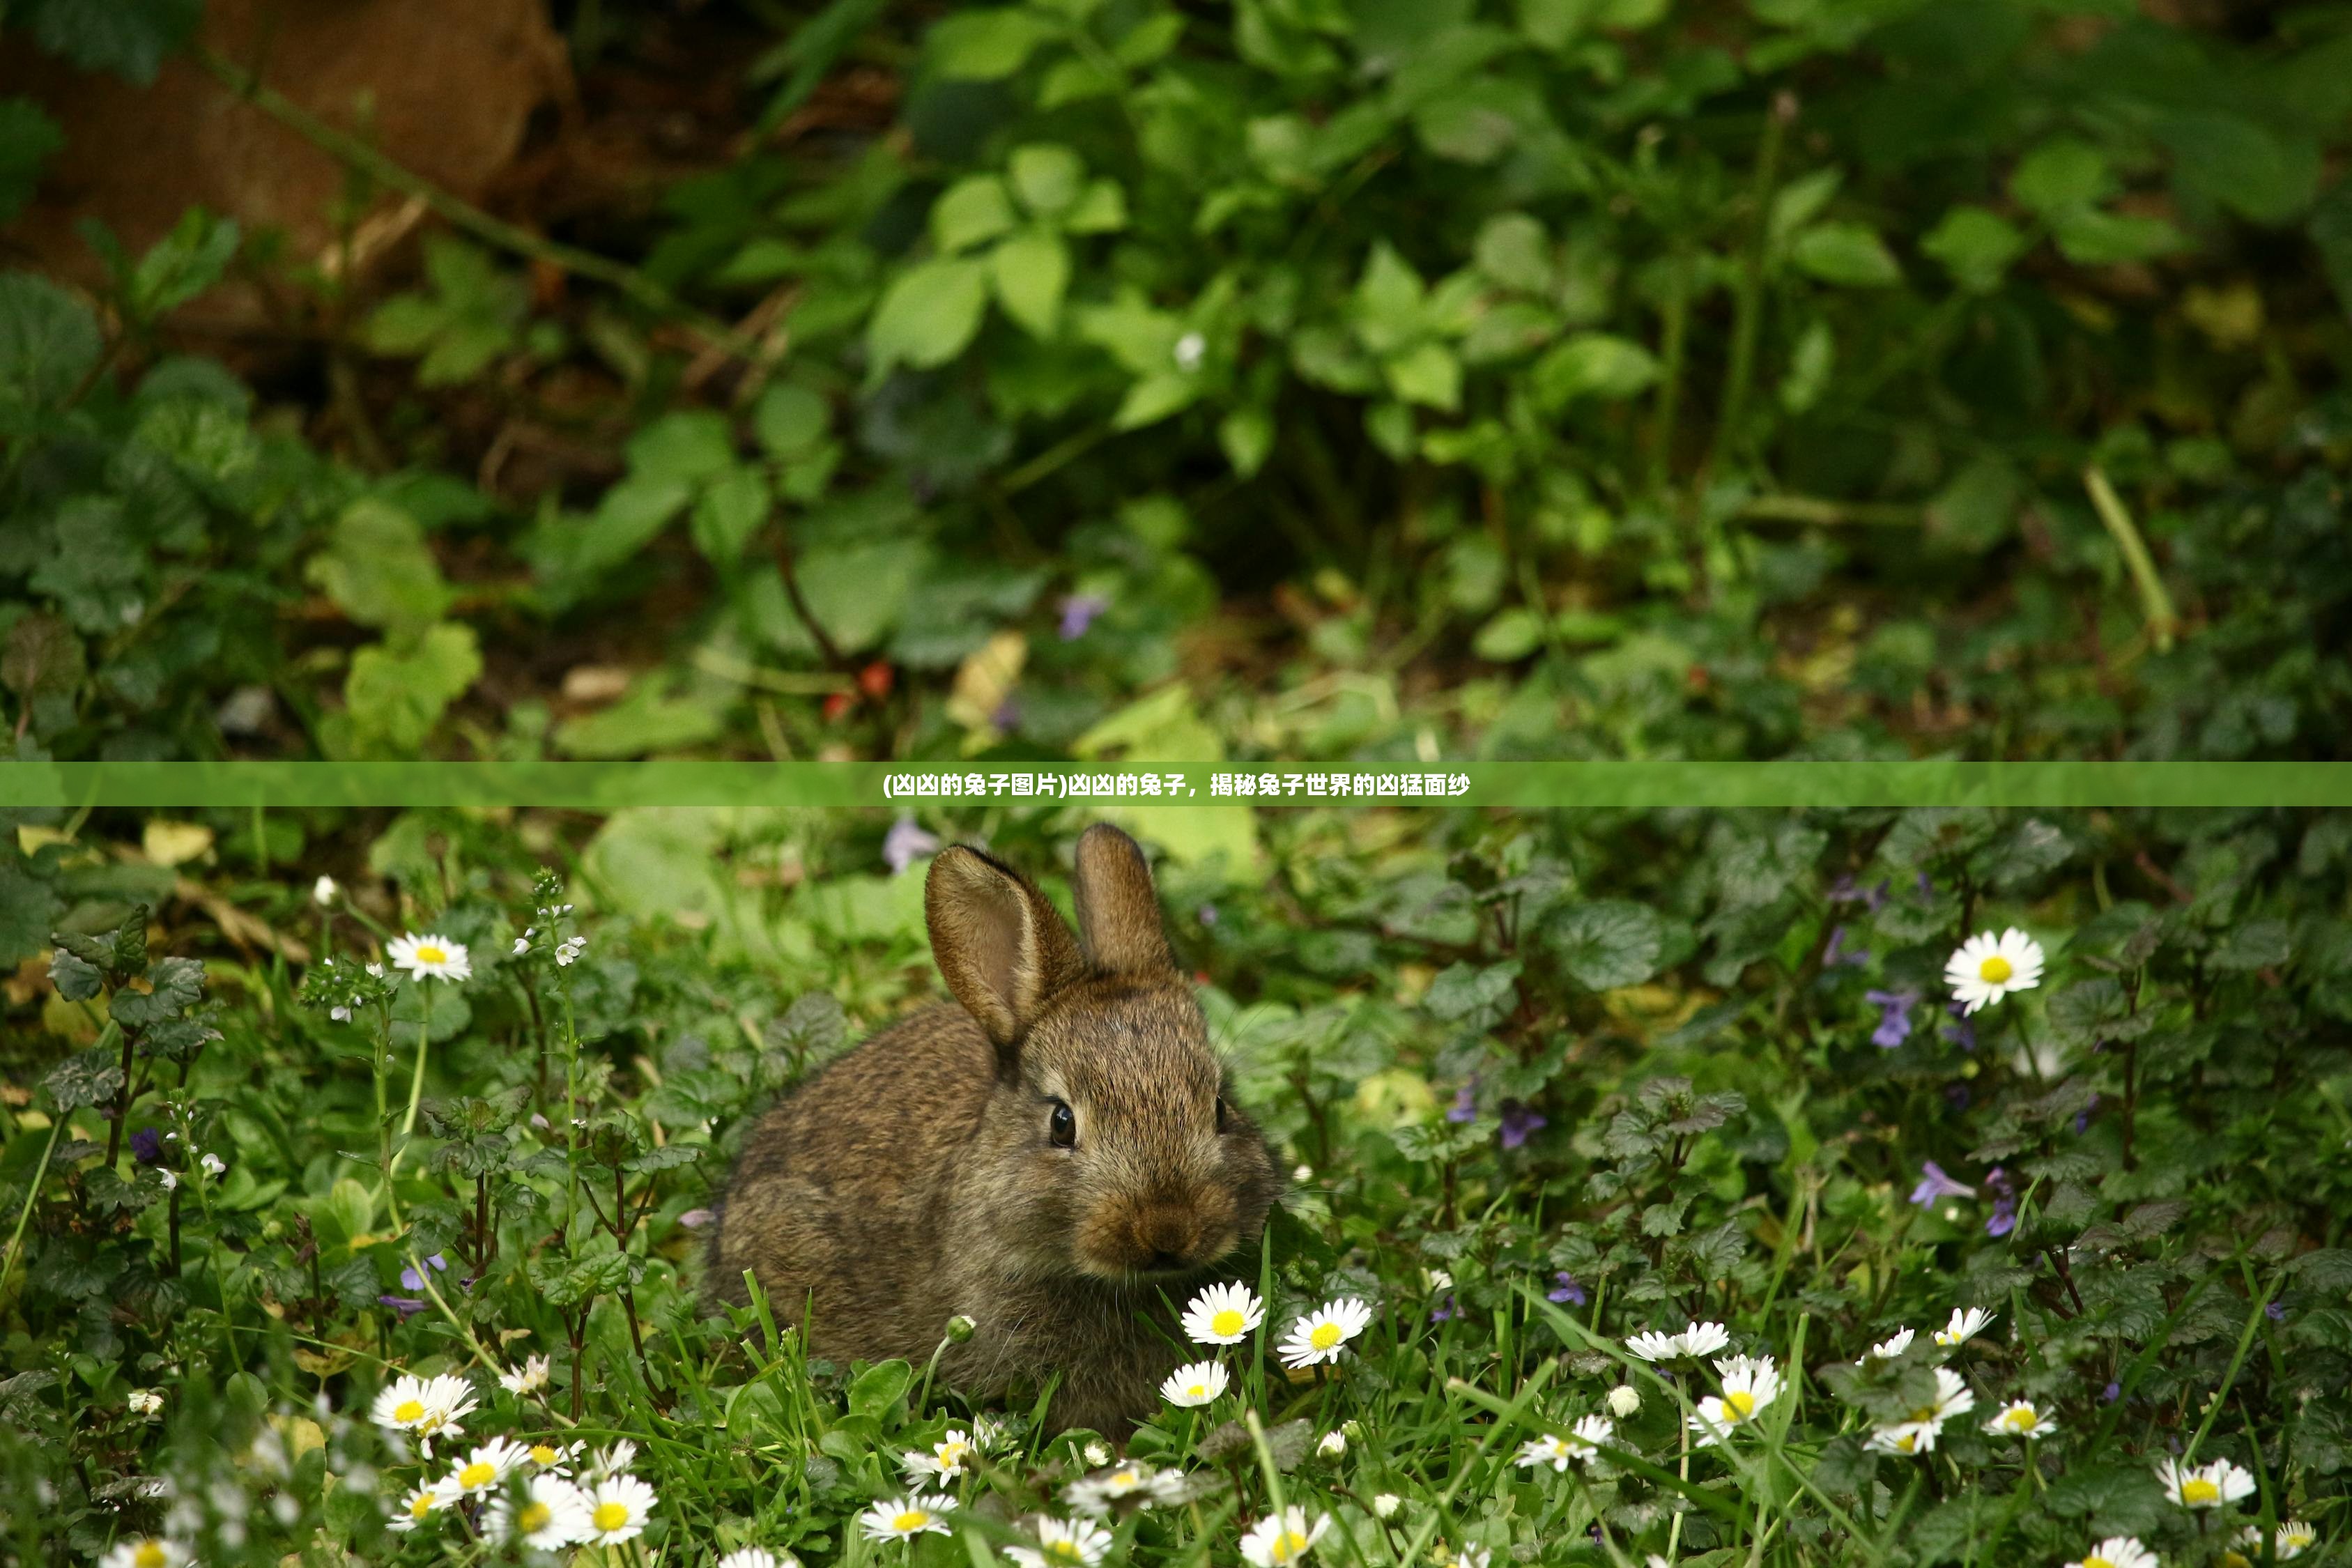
column 920, row 1176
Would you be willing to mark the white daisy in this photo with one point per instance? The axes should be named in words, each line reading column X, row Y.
column 487, row 1467
column 902, row 1519
column 2204, row 1486
column 1988, row 968
column 1223, row 1314
column 1318, row 1336
column 1697, row 1339
column 2294, row 1538
column 1748, row 1386
column 554, row 1459
column 1468, row 1557
column 613, row 1460
column 429, row 1406
column 1967, row 1323
column 430, row 957
column 758, row 1557
column 144, row 1401
column 1918, row 1434
column 951, row 1456
column 1385, row 1505
column 528, row 1378
column 1094, row 1495
column 2020, row 1418
column 1195, row 1383
column 1575, row 1447
column 1063, row 1543
column 145, row 1552
column 2117, row 1552
column 420, row 1504
column 617, row 1510
column 1889, row 1348
column 553, row 1513
column 1334, row 1444
column 1625, row 1400
column 1278, row 1539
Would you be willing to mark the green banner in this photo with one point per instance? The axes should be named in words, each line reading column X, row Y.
column 607, row 786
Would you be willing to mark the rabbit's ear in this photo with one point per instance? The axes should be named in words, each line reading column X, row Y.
column 1002, row 949
column 1119, row 914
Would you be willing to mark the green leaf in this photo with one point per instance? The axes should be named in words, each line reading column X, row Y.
column 1810, row 363
column 1102, row 210
column 2062, row 173
column 182, row 265
column 873, row 1393
column 1246, row 437
column 1514, row 250
column 1847, row 254
column 1592, row 364
column 1047, row 176
column 1976, row 245
column 1429, row 374
column 49, row 340
column 929, row 314
column 1509, row 636
column 682, row 448
column 28, row 906
column 379, row 571
column 729, row 512
column 789, row 420
column 1154, row 398
column 1606, row 944
column 973, row 210
column 646, row 721
column 396, row 693
column 1030, row 270
column 984, row 46
column 2089, row 237
column 29, row 139
column 1387, row 300
column 2241, row 163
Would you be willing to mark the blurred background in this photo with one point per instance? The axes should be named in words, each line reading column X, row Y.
column 1331, row 378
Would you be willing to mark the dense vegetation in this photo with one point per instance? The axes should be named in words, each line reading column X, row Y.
column 1339, row 379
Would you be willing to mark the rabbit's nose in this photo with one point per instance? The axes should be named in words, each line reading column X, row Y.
column 1166, row 1238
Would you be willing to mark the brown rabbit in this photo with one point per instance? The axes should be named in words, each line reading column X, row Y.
column 1050, row 1155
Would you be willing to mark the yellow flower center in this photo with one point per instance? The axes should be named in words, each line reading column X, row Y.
column 951, row 1455
column 2200, row 1492
column 1995, row 970
column 148, row 1555
column 1068, row 1550
column 541, row 1454
column 1126, row 1478
column 611, row 1516
column 422, row 1506
column 534, row 1516
column 2232, row 1560
column 2095, row 1561
column 1228, row 1322
column 478, row 1474
column 1925, row 1413
column 1739, row 1404
column 1287, row 1546
column 436, row 955
column 1324, row 1336
column 1199, row 1391
column 913, row 1520
column 2019, row 1419
column 408, row 1410
column 1906, row 1443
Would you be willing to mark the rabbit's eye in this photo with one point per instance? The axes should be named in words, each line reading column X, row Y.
column 1062, row 1127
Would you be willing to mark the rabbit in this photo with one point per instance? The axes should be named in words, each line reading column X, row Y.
column 1057, row 1155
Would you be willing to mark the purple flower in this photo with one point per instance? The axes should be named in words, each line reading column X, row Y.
column 1845, row 890
column 1964, row 1033
column 1933, row 1185
column 2110, row 1393
column 2082, row 1117
column 694, row 1219
column 2275, row 1312
column 904, row 843
column 407, row 1306
column 1519, row 1121
column 1893, row 1018
column 416, row 1281
column 1837, row 953
column 1927, row 888
column 2004, row 1203
column 1465, row 1103
column 147, row 1146
column 1078, row 613
column 1007, row 716
column 1444, row 1313
column 1567, row 1290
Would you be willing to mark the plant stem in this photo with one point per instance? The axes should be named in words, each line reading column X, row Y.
column 1748, row 310
column 1676, row 337
column 2155, row 604
column 24, row 1215
column 464, row 214
column 121, row 1099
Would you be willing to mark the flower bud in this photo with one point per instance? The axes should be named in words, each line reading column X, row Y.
column 1624, row 1399
column 959, row 1328
column 1386, row 1504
